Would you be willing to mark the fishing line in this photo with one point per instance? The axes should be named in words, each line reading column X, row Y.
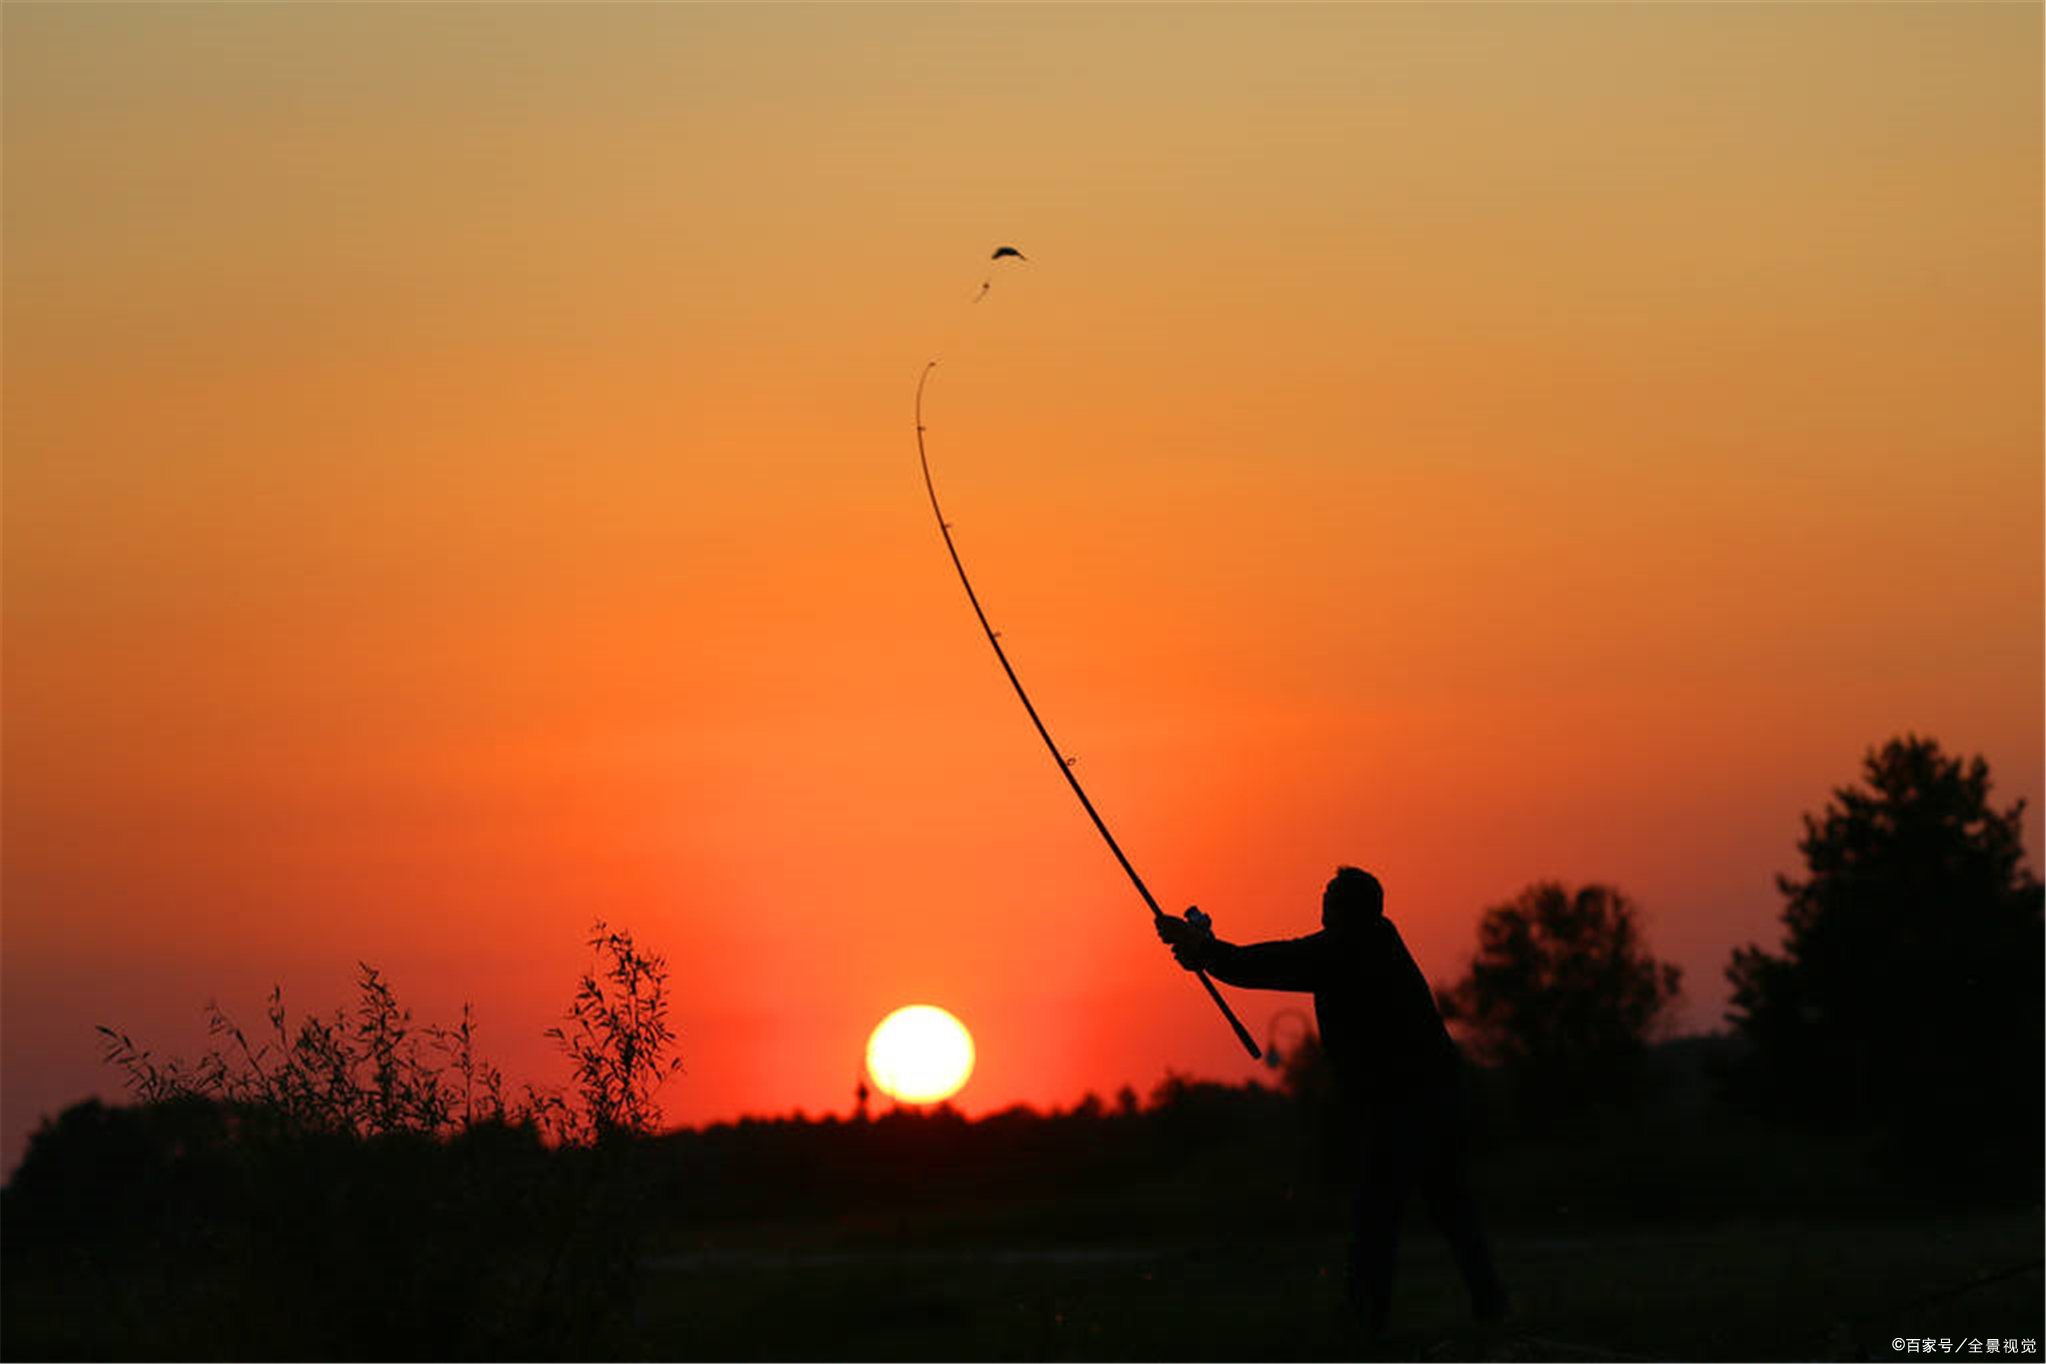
column 1065, row 764
column 969, row 308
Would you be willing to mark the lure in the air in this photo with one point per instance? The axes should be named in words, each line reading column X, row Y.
column 999, row 252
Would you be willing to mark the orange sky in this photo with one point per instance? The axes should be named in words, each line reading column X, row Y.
column 459, row 483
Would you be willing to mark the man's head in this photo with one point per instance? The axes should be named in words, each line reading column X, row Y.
column 1353, row 899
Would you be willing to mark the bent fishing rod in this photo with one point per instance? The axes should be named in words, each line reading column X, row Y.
column 1065, row 766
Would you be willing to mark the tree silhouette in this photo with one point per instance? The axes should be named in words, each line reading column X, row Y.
column 1908, row 990
column 1563, row 995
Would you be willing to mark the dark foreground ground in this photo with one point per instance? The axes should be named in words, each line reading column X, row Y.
column 1208, row 1223
column 1842, row 1289
column 1789, row 1290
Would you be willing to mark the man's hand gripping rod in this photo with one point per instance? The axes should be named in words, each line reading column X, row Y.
column 1065, row 767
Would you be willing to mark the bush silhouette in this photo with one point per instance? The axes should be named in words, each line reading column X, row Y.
column 366, row 1072
column 617, row 1037
column 359, row 1185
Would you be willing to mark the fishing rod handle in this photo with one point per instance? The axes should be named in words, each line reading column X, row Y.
column 1242, row 1033
column 1205, row 925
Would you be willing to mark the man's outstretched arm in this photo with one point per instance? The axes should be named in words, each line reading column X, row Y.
column 1284, row 964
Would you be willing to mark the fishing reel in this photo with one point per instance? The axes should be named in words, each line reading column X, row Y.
column 1201, row 924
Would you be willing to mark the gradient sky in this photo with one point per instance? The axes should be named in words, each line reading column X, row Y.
column 459, row 483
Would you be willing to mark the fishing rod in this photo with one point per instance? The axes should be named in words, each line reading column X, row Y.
column 1065, row 765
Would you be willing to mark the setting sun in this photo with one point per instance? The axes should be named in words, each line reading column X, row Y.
column 920, row 1054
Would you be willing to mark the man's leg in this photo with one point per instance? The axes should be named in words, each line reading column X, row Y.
column 1390, row 1158
column 1445, row 1185
column 1448, row 1192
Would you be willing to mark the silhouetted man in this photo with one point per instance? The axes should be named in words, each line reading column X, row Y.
column 1395, row 1066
